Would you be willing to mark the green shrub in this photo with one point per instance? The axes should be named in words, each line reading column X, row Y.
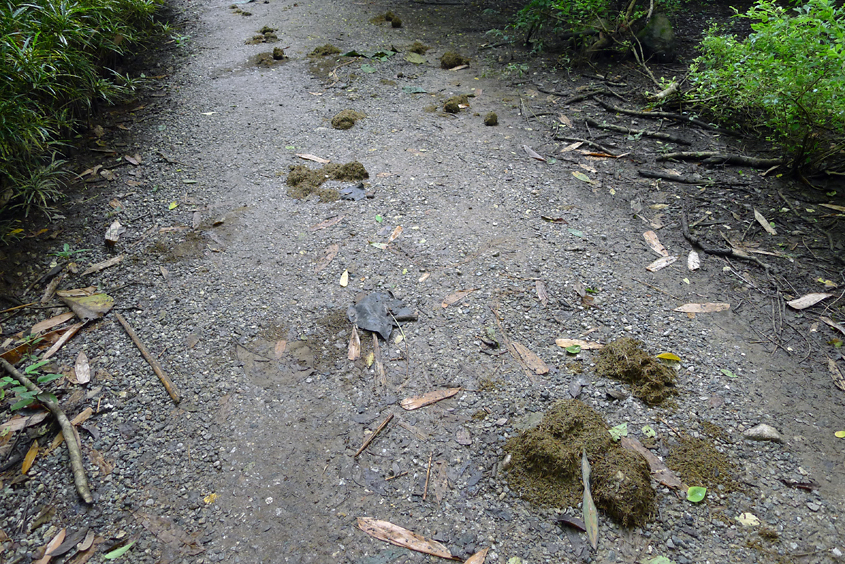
column 54, row 58
column 787, row 77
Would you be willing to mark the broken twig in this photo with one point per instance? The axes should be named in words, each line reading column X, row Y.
column 645, row 132
column 373, row 435
column 427, row 475
column 711, row 157
column 74, row 453
column 168, row 384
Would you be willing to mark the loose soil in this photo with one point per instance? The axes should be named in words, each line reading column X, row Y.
column 224, row 281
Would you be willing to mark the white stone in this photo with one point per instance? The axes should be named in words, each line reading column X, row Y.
column 763, row 432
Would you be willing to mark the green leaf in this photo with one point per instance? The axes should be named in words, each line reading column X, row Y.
column 839, row 434
column 728, row 373
column 582, row 177
column 352, row 53
column 415, row 58
column 649, row 432
column 22, row 403
column 368, row 68
column 577, row 233
column 413, row 90
column 45, row 397
column 381, row 246
column 172, row 206
column 45, row 378
column 619, row 431
column 669, row 356
column 574, row 349
column 659, row 560
column 696, row 494
column 34, row 367
column 118, row 552
column 290, row 147
column 379, row 218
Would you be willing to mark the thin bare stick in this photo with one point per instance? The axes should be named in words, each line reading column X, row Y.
column 18, row 307
column 74, row 453
column 168, row 384
column 427, row 475
column 373, row 435
column 382, row 379
column 396, row 476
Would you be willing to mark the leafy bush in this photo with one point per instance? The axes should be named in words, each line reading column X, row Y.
column 788, row 77
column 53, row 65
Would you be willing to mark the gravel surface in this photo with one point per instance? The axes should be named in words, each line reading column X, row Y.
column 226, row 281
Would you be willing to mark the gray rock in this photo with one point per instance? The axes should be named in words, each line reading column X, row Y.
column 763, row 432
column 658, row 39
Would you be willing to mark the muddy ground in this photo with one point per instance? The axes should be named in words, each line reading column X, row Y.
column 235, row 286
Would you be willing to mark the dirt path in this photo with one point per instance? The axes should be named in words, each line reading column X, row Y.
column 237, row 289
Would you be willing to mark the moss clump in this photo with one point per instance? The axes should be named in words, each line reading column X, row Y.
column 419, row 48
column 626, row 360
column 450, row 60
column 303, row 181
column 346, row 119
column 546, row 465
column 325, row 50
column 453, row 104
column 491, row 119
column 698, row 463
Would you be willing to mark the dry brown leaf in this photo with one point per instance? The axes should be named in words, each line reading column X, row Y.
column 51, row 546
column 572, row 147
column 660, row 263
column 114, row 232
column 457, row 296
column 424, row 277
column 833, row 324
column 542, row 295
column 327, row 223
column 395, row 234
column 82, row 370
column 309, row 157
column 83, row 416
column 354, row 345
column 836, row 374
column 103, row 265
column 70, row 332
column 833, row 207
column 331, row 253
column 533, row 154
column 565, row 120
column 655, row 244
column 77, row 292
column 707, row 307
column 530, row 359
column 395, row 534
column 428, row 398
column 17, row 422
column 659, row 470
column 693, row 261
column 30, row 457
column 588, row 168
column 52, row 322
column 585, row 345
column 58, row 440
column 279, row 349
column 764, row 223
column 478, row 558
column 134, row 159
column 808, row 300
column 105, row 466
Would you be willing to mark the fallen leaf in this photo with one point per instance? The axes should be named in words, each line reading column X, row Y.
column 369, row 359
column 585, row 345
column 565, row 120
column 415, row 58
column 424, row 277
column 542, row 295
column 17, row 422
column 398, row 536
column 707, row 307
column 103, row 265
column 279, row 349
column 81, row 369
column 452, row 299
column 693, row 261
column 30, row 457
column 118, row 552
column 764, row 223
column 530, row 359
column 581, row 176
column 331, row 253
column 833, row 207
column 618, row 431
column 833, row 324
column 462, row 437
column 658, row 469
column 381, row 246
column 655, row 244
column 104, row 465
column 314, row 158
column 210, row 498
column 344, row 279
column 52, row 322
column 808, row 300
column 395, row 234
column 134, row 159
column 478, row 558
column 553, row 219
column 591, row 515
column 588, row 168
column 82, row 417
column 748, row 520
column 354, row 352
column 669, row 356
column 533, row 154
column 327, row 223
column 660, row 263
column 114, row 232
column 66, row 336
column 836, row 374
column 51, row 546
column 573, row 522
column 410, row 404
column 87, row 308
column 696, row 494
column 658, row 560
column 572, row 147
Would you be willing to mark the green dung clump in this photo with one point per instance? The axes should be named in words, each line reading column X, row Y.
column 419, row 48
column 453, row 104
column 346, row 119
column 325, row 50
column 545, row 465
column 626, row 360
column 491, row 119
column 450, row 60
column 303, row 181
column 698, row 463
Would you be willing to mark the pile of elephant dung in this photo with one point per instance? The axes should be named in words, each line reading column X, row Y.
column 545, row 465
column 303, row 181
column 345, row 119
column 625, row 360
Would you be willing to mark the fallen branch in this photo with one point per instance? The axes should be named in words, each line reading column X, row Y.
column 672, row 177
column 711, row 157
column 733, row 253
column 168, row 384
column 373, row 435
column 645, row 132
column 663, row 115
column 74, row 453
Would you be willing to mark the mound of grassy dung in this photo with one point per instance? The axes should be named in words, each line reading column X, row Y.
column 388, row 16
column 453, row 104
column 491, row 119
column 419, row 48
column 698, row 463
column 627, row 361
column 303, row 181
column 346, row 119
column 450, row 60
column 325, row 50
column 545, row 465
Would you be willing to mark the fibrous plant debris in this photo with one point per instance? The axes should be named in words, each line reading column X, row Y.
column 388, row 16
column 698, row 463
column 325, row 50
column 626, row 360
column 304, row 181
column 268, row 35
column 419, row 48
column 453, row 104
column 545, row 465
column 450, row 60
column 345, row 119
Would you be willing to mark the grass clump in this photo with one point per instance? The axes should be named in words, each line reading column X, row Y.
column 54, row 63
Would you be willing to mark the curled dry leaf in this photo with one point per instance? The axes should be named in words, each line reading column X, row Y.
column 30, row 457
column 838, row 326
column 103, row 265
column 82, row 370
column 764, row 223
column 542, row 295
column 344, row 279
column 354, row 345
column 659, row 470
column 457, row 296
column 52, row 322
column 51, row 547
column 591, row 514
column 530, row 359
column 114, row 232
column 395, row 534
column 572, row 147
column 655, row 244
column 87, row 308
column 279, row 349
column 395, row 235
column 693, row 261
column 410, row 404
column 585, row 345
column 532, row 153
column 707, row 307
column 660, row 264
column 424, row 277
column 807, row 300
column 836, row 374
column 309, row 157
